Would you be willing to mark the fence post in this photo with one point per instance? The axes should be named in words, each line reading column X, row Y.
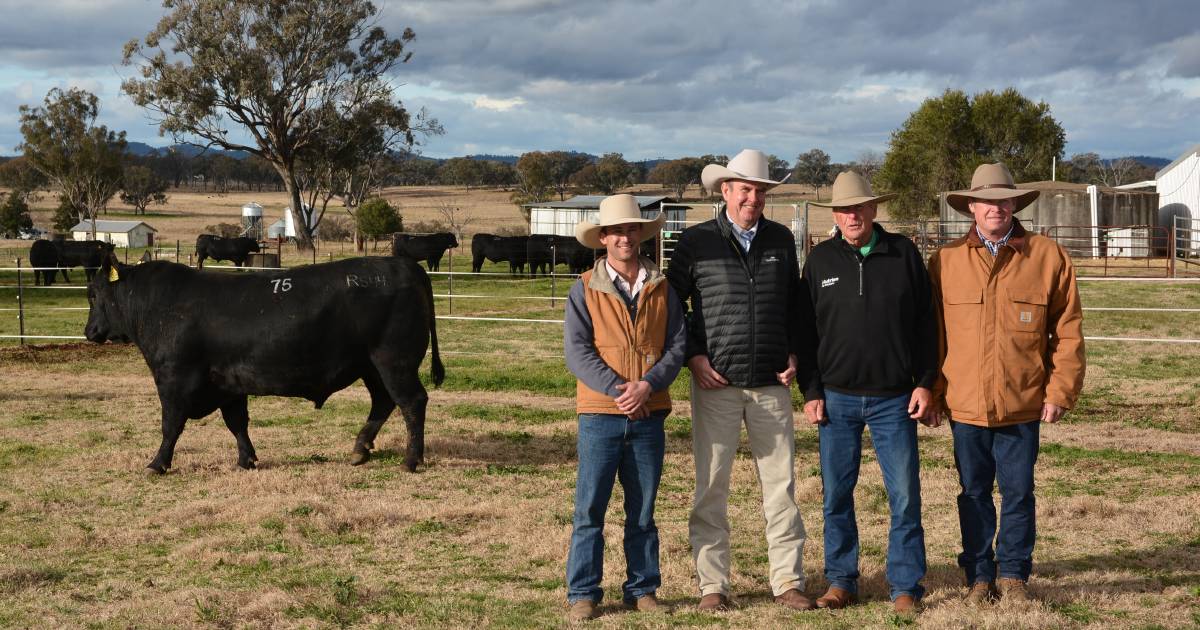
column 450, row 308
column 176, row 250
column 924, row 239
column 21, row 303
column 553, row 278
column 1171, row 248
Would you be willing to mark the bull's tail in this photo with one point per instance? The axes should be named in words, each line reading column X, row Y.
column 436, row 369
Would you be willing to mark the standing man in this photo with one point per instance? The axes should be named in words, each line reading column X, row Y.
column 877, row 363
column 748, row 311
column 1013, row 355
column 624, row 341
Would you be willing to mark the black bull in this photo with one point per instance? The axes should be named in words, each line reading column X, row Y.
column 210, row 340
column 65, row 255
column 235, row 250
column 427, row 247
column 499, row 249
column 546, row 250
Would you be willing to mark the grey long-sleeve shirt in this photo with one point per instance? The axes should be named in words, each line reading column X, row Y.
column 585, row 363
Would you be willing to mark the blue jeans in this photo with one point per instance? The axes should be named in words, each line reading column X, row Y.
column 985, row 456
column 613, row 446
column 894, row 435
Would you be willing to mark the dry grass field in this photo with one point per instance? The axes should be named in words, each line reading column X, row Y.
column 478, row 537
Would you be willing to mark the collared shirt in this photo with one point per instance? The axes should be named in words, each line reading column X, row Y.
column 865, row 249
column 745, row 237
column 622, row 285
column 994, row 246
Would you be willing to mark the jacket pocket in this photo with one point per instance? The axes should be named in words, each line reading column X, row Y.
column 962, row 296
column 1026, row 311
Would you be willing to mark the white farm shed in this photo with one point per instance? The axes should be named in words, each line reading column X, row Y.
column 1179, row 196
column 560, row 217
column 122, row 233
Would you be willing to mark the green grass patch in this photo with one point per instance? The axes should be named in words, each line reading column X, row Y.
column 1161, row 463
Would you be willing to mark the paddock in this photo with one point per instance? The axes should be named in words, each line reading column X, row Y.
column 479, row 537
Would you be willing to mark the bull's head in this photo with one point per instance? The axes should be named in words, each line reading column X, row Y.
column 254, row 246
column 105, row 320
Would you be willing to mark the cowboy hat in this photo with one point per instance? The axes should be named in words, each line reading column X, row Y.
column 991, row 182
column 852, row 189
column 616, row 210
column 749, row 165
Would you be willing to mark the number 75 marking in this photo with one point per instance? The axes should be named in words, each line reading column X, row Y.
column 282, row 285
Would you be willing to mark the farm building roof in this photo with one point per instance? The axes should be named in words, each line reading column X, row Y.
column 1071, row 186
column 1186, row 154
column 591, row 202
column 110, row 226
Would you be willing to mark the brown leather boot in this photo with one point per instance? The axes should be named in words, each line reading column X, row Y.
column 582, row 610
column 981, row 593
column 906, row 606
column 1013, row 590
column 714, row 602
column 835, row 598
column 794, row 599
column 648, row 603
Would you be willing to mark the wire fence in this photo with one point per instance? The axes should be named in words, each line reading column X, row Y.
column 1125, row 253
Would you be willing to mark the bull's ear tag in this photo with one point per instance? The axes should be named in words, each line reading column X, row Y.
column 113, row 276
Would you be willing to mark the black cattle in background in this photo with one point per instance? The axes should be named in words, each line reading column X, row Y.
column 236, row 250
column 43, row 253
column 566, row 251
column 211, row 340
column 66, row 255
column 578, row 257
column 539, row 253
column 499, row 249
column 427, row 247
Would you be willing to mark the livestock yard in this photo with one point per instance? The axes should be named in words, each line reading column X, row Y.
column 478, row 537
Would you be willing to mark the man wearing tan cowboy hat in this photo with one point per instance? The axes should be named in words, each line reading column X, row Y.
column 877, row 362
column 748, row 314
column 624, row 341
column 1012, row 355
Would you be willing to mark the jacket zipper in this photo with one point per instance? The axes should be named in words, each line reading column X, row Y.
column 742, row 258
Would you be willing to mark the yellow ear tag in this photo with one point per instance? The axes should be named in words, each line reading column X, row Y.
column 112, row 274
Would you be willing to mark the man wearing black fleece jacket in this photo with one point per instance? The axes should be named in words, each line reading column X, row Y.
column 876, row 365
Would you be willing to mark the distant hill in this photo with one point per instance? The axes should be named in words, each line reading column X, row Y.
column 143, row 149
column 1153, row 162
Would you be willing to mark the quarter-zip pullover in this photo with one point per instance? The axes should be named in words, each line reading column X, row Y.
column 876, row 326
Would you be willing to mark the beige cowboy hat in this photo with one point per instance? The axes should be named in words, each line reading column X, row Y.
column 616, row 210
column 749, row 165
column 852, row 189
column 990, row 183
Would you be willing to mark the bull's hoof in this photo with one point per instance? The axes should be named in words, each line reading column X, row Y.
column 411, row 465
column 358, row 458
column 154, row 470
column 247, row 465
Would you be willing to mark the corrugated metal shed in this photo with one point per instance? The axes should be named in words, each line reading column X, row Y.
column 123, row 233
column 560, row 217
column 1179, row 192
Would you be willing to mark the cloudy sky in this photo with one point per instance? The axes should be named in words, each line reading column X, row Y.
column 666, row 78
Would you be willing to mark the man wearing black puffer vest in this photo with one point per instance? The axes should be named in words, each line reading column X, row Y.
column 749, row 312
column 877, row 360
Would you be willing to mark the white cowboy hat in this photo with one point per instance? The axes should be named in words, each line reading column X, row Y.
column 991, row 182
column 749, row 165
column 852, row 189
column 616, row 210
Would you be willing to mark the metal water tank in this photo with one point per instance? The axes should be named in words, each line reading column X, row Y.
column 252, row 221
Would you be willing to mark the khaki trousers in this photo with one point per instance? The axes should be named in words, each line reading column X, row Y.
column 717, row 417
